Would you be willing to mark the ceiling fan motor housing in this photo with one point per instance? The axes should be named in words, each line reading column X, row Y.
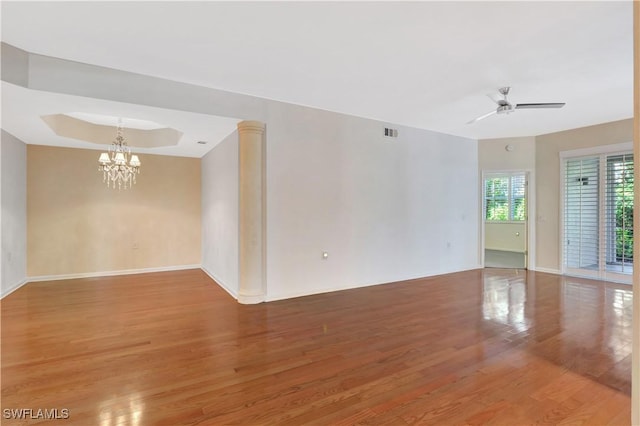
column 505, row 109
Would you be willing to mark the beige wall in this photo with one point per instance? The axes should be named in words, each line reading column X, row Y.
column 75, row 224
column 505, row 236
column 492, row 154
column 547, row 157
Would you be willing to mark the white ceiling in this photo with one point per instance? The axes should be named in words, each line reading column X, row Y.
column 422, row 64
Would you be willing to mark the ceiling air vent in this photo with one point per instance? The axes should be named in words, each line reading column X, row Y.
column 391, row 133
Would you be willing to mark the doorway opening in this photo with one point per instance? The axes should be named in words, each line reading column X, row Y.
column 505, row 219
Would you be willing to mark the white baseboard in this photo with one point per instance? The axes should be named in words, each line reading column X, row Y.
column 547, row 270
column 221, row 283
column 41, row 278
column 312, row 291
column 13, row 288
column 110, row 273
column 250, row 299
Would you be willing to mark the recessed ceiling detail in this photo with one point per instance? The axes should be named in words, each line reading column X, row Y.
column 100, row 129
column 110, row 120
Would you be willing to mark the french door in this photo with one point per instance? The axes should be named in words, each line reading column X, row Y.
column 598, row 216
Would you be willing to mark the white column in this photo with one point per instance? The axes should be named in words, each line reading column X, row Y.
column 251, row 199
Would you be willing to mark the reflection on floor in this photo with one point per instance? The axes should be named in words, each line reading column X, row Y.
column 503, row 259
column 583, row 325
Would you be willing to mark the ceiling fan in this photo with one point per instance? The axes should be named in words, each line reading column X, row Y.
column 506, row 107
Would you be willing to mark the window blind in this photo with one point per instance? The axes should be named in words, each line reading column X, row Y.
column 518, row 201
column 598, row 216
column 581, row 213
column 618, row 227
column 505, row 197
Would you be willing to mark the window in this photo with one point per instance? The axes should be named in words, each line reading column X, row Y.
column 505, row 197
column 619, row 212
column 598, row 216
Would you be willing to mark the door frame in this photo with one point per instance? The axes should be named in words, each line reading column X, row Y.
column 530, row 256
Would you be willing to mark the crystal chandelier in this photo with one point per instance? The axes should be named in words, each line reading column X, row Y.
column 118, row 166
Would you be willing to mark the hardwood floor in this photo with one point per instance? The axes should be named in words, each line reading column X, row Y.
column 484, row 347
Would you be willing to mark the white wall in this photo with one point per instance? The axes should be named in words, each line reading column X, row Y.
column 384, row 209
column 220, row 213
column 14, row 213
column 333, row 183
column 510, row 236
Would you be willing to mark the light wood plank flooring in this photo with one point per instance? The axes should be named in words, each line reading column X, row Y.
column 483, row 347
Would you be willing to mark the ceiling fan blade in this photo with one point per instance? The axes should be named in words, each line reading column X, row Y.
column 482, row 117
column 543, row 105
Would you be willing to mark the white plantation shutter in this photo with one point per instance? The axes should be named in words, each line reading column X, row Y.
column 598, row 216
column 618, row 227
column 496, row 197
column 517, row 197
column 581, row 210
column 505, row 197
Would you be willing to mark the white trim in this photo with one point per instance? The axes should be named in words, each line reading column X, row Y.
column 547, row 270
column 290, row 295
column 220, row 283
column 110, row 273
column 561, row 234
column 251, row 299
column 597, row 150
column 13, row 288
column 532, row 212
